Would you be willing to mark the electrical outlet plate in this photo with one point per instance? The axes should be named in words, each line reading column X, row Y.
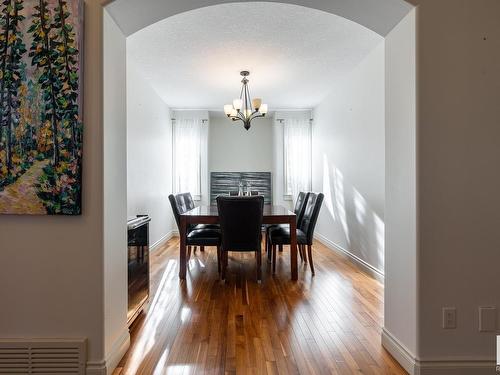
column 487, row 319
column 449, row 317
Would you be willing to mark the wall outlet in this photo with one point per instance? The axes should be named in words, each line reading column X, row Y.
column 487, row 319
column 449, row 317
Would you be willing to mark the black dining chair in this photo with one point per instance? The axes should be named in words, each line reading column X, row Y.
column 240, row 223
column 196, row 235
column 254, row 192
column 300, row 206
column 233, row 193
column 305, row 231
column 186, row 203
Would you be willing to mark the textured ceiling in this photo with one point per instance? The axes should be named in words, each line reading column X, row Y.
column 294, row 54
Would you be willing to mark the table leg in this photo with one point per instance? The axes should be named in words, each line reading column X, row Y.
column 293, row 249
column 182, row 249
column 268, row 247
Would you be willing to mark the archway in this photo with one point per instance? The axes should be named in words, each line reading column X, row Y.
column 380, row 16
column 127, row 16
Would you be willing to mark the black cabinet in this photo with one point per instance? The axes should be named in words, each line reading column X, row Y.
column 138, row 265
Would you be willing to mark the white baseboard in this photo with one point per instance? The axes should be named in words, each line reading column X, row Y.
column 436, row 366
column 455, row 367
column 400, row 353
column 96, row 368
column 118, row 350
column 367, row 267
column 164, row 239
column 107, row 366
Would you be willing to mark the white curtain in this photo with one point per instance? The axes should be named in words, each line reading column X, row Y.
column 297, row 155
column 187, row 158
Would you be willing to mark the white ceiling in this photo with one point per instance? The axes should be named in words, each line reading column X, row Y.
column 294, row 54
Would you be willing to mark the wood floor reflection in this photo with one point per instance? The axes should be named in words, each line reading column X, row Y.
column 326, row 324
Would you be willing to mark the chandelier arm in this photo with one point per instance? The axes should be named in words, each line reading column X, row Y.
column 256, row 115
column 241, row 92
column 243, row 99
column 249, row 98
column 239, row 117
column 247, row 101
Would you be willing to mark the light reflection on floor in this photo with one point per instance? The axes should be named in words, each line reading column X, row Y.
column 330, row 322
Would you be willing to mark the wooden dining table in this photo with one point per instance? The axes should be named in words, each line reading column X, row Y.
column 210, row 215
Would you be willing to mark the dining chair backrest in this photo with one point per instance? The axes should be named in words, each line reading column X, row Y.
column 185, row 202
column 254, row 192
column 233, row 193
column 181, row 204
column 311, row 213
column 240, row 222
column 188, row 198
column 175, row 210
column 300, row 206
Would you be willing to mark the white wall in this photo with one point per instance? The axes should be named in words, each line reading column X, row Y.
column 231, row 148
column 116, row 335
column 458, row 135
column 400, row 324
column 149, row 155
column 348, row 161
column 51, row 281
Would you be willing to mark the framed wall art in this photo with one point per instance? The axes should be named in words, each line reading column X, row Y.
column 41, row 125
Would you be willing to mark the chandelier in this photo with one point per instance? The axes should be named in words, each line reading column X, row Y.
column 245, row 109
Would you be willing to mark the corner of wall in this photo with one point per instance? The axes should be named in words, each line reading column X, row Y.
column 400, row 292
column 115, row 330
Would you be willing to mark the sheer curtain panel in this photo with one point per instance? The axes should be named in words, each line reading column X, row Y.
column 297, row 155
column 187, row 158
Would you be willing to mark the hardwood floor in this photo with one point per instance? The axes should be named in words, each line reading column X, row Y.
column 326, row 324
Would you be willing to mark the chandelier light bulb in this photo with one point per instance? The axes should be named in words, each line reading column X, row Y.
column 228, row 108
column 237, row 104
column 263, row 109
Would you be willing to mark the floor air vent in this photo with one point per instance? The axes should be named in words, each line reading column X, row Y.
column 42, row 357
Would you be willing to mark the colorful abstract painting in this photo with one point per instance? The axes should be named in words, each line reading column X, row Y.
column 40, row 107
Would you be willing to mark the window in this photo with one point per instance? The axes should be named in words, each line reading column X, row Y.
column 297, row 155
column 186, row 141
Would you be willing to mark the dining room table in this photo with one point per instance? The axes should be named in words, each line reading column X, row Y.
column 209, row 214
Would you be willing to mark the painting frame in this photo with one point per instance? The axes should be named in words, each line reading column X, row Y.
column 41, row 155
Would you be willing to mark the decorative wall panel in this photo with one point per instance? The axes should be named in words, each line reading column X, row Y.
column 222, row 183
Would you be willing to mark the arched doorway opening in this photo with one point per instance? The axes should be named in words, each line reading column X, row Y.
column 389, row 19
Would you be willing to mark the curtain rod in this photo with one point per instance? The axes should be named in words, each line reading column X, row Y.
column 202, row 120
column 283, row 120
